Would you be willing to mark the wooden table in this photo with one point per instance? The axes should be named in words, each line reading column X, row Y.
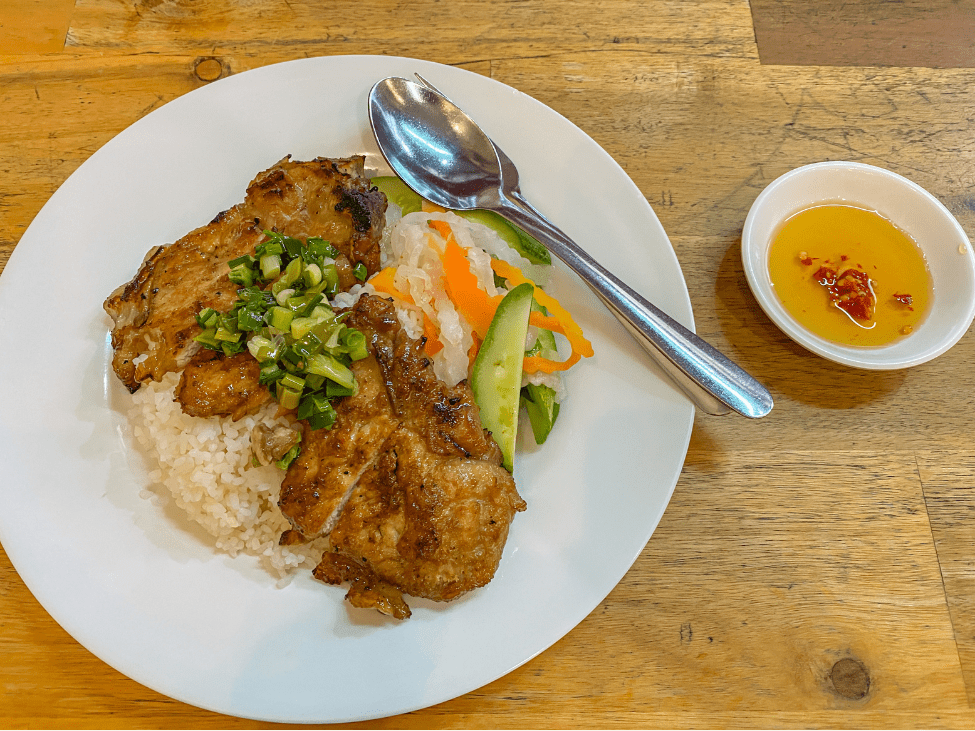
column 814, row 568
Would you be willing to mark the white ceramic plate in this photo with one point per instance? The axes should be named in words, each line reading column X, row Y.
column 905, row 204
column 143, row 592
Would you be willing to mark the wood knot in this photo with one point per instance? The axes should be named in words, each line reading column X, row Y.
column 850, row 679
column 209, row 69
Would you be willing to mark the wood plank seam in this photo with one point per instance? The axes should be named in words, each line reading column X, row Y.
column 952, row 610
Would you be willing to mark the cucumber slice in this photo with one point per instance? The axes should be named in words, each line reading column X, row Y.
column 398, row 192
column 525, row 244
column 542, row 408
column 546, row 338
column 539, row 401
column 496, row 374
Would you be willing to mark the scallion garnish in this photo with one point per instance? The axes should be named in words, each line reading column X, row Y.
column 242, row 274
column 288, row 457
column 313, row 274
column 282, row 318
column 207, row 318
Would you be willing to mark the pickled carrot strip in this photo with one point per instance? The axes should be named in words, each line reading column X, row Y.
column 559, row 320
column 536, row 363
column 472, row 351
column 382, row 281
column 431, row 333
column 476, row 305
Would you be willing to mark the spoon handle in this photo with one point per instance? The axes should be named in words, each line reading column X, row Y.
column 711, row 380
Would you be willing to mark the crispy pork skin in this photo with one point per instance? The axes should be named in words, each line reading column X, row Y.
column 154, row 314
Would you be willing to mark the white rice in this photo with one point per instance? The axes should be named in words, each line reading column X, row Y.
column 204, row 465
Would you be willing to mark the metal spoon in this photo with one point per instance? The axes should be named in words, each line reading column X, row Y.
column 446, row 158
column 510, row 184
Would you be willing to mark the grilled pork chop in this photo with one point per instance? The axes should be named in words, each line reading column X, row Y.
column 155, row 313
column 422, row 523
column 331, row 461
column 427, row 510
column 407, row 484
column 212, row 385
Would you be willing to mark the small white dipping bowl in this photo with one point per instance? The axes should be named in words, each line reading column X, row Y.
column 905, row 204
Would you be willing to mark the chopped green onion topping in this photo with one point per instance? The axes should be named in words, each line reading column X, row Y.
column 207, row 318
column 330, row 272
column 293, row 382
column 333, row 389
column 225, row 335
column 289, row 457
column 270, row 372
column 360, row 271
column 208, row 339
column 326, row 365
column 288, row 398
column 312, row 275
column 270, row 266
column 281, row 293
column 282, row 318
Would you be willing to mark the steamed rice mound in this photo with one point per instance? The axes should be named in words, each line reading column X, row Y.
column 204, row 466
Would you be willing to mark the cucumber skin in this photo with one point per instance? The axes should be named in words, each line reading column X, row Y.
column 543, row 410
column 519, row 240
column 398, row 192
column 496, row 374
column 496, row 223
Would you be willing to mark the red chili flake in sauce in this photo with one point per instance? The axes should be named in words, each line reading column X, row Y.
column 826, row 276
column 906, row 300
column 850, row 291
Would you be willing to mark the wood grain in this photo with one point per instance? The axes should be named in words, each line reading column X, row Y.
column 935, row 33
column 813, row 568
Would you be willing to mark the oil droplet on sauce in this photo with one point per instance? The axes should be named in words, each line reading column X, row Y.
column 849, row 275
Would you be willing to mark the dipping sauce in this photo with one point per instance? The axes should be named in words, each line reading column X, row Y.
column 849, row 275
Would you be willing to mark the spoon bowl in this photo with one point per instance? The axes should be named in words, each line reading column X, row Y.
column 429, row 138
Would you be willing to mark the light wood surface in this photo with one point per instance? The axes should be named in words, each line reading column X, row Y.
column 815, row 568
